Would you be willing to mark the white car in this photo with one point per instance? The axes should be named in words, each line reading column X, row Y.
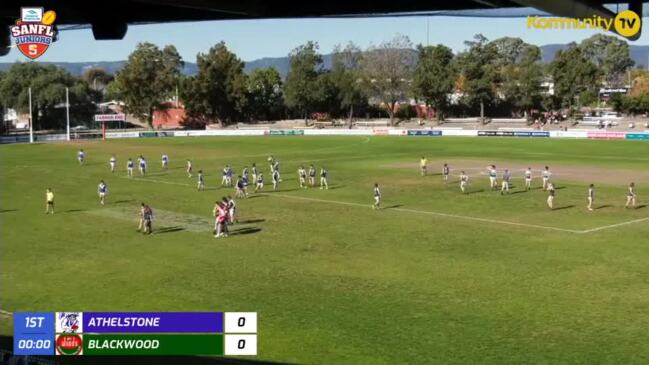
column 79, row 128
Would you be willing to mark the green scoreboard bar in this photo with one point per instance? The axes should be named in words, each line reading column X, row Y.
column 135, row 333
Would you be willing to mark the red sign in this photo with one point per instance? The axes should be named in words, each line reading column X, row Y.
column 606, row 135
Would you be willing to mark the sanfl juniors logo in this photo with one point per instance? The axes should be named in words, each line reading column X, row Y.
column 34, row 31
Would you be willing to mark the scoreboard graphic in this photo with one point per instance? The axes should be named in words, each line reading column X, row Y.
column 135, row 333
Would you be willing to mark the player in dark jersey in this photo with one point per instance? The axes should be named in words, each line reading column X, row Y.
column 377, row 197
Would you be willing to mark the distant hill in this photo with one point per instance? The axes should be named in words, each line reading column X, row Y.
column 639, row 54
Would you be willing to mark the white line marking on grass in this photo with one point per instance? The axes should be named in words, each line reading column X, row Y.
column 440, row 214
column 614, row 225
column 464, row 217
column 5, row 313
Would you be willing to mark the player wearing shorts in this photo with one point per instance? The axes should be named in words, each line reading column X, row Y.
column 102, row 190
column 259, row 183
column 254, row 173
column 240, row 191
column 189, row 169
column 142, row 162
column 301, row 174
column 546, row 177
column 445, row 172
column 201, row 180
column 49, row 201
column 324, row 184
column 148, row 219
column 464, row 180
column 244, row 173
column 377, row 197
column 221, row 216
column 229, row 176
column 312, row 172
column 507, row 176
column 493, row 175
column 112, row 163
column 81, row 156
column 528, row 179
column 140, row 226
column 224, row 179
column 232, row 206
column 275, row 179
column 591, row 197
column 276, row 168
column 165, row 162
column 630, row 196
column 129, row 167
column 551, row 193
column 423, row 166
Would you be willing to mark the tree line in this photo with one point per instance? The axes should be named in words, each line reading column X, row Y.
column 501, row 77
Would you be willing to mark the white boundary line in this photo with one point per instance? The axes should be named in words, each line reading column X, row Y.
column 416, row 211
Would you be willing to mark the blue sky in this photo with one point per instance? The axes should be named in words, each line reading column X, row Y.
column 252, row 39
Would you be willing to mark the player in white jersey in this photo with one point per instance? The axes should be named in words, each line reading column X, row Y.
column 591, row 197
column 224, row 178
column 464, row 179
column 551, row 193
column 49, row 201
column 81, row 156
column 493, row 177
column 142, row 163
column 528, row 178
column 232, row 207
column 377, row 197
column 165, row 161
column 201, row 180
column 301, row 175
column 129, row 167
column 259, row 183
column 445, row 172
column 112, row 163
column 507, row 176
column 312, row 175
column 546, row 177
column 324, row 184
column 189, row 168
column 244, row 173
column 102, row 190
column 630, row 196
column 275, row 179
column 253, row 168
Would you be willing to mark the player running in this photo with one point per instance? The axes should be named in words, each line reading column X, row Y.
column 630, row 196
column 259, row 182
column 377, row 197
column 129, row 167
column 551, row 193
column 240, row 191
column 464, row 180
column 301, row 174
column 147, row 219
column 165, row 161
column 493, row 177
column 201, row 180
column 445, row 172
column 528, row 179
column 232, row 206
column 49, row 201
column 275, row 177
column 323, row 179
column 253, row 168
column 591, row 197
column 507, row 176
column 102, row 190
column 189, row 168
column 423, row 166
column 546, row 177
column 312, row 173
column 112, row 162
column 81, row 156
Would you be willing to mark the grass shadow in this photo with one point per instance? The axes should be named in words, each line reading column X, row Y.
column 641, row 206
column 8, row 210
column 249, row 221
column 241, row 231
column 74, row 210
column 518, row 192
column 564, row 207
column 257, row 196
column 603, row 206
column 168, row 230
column 474, row 191
column 394, row 206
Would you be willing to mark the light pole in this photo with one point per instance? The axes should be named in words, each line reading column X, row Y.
column 31, row 120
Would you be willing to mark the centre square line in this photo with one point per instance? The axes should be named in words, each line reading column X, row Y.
column 426, row 212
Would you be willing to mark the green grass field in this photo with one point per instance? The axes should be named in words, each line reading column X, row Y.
column 434, row 277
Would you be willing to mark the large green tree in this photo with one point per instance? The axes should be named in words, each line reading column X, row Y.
column 479, row 72
column 48, row 85
column 345, row 75
column 265, row 97
column 147, row 80
column 302, row 78
column 573, row 73
column 610, row 55
column 218, row 91
column 387, row 72
column 434, row 77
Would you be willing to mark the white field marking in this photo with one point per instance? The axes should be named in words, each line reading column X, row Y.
column 456, row 216
column 430, row 213
column 161, row 218
column 5, row 313
column 615, row 225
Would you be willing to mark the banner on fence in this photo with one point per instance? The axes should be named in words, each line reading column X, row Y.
column 513, row 134
column 424, row 132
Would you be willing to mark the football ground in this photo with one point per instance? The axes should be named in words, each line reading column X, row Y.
column 436, row 276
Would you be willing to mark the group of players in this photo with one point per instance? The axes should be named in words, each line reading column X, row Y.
column 505, row 183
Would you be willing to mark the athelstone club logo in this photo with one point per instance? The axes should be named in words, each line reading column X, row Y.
column 626, row 23
column 34, row 31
